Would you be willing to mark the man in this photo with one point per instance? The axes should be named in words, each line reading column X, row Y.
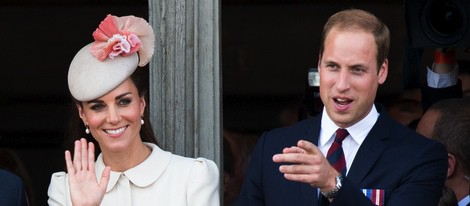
column 384, row 162
column 448, row 121
column 11, row 189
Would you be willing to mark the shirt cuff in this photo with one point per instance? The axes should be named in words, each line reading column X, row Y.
column 436, row 80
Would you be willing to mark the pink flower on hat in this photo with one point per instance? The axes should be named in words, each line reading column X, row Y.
column 122, row 36
column 122, row 45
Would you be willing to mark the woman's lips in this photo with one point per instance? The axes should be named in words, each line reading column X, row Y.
column 115, row 132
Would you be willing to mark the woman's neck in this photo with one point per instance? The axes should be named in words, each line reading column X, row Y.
column 124, row 160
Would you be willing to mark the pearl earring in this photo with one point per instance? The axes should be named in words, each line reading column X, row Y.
column 142, row 121
column 87, row 130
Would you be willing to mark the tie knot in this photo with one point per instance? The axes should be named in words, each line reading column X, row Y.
column 341, row 134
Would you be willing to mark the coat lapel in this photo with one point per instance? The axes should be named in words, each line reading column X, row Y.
column 368, row 153
column 370, row 150
column 312, row 132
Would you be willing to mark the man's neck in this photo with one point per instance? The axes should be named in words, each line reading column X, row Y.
column 459, row 185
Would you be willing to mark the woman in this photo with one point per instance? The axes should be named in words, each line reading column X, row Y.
column 131, row 169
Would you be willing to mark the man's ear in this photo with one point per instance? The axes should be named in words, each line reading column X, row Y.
column 319, row 62
column 383, row 72
column 451, row 165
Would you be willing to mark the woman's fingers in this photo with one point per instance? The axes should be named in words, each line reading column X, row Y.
column 83, row 157
column 91, row 156
column 105, row 179
column 77, row 154
column 84, row 154
column 84, row 187
column 69, row 163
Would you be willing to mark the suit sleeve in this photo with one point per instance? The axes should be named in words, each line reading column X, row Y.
column 350, row 195
column 432, row 95
column 12, row 191
column 18, row 188
column 252, row 190
column 21, row 194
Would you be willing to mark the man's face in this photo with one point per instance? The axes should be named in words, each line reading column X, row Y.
column 349, row 77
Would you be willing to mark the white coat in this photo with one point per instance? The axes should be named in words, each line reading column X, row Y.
column 162, row 179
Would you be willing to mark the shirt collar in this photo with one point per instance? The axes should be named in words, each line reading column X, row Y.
column 465, row 201
column 358, row 131
column 141, row 175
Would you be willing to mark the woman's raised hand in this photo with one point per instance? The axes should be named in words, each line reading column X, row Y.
column 84, row 187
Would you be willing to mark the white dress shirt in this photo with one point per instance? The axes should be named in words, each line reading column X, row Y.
column 436, row 80
column 465, row 201
column 351, row 144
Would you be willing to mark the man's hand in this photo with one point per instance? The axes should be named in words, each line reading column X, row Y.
column 309, row 166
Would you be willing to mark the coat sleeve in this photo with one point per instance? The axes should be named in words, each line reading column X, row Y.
column 12, row 191
column 58, row 190
column 430, row 95
column 203, row 186
column 252, row 193
column 22, row 194
column 351, row 195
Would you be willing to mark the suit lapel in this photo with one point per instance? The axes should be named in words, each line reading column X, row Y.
column 370, row 150
column 312, row 132
column 367, row 155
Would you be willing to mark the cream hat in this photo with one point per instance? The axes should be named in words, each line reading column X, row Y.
column 121, row 44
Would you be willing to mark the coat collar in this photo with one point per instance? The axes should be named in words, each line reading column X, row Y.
column 141, row 175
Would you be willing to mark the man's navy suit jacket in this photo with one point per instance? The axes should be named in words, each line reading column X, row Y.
column 12, row 191
column 409, row 168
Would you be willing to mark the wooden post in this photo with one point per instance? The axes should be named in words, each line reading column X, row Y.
column 185, row 77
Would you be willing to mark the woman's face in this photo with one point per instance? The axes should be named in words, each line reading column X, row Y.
column 114, row 119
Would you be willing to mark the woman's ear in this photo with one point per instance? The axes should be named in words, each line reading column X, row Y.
column 142, row 105
column 80, row 113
